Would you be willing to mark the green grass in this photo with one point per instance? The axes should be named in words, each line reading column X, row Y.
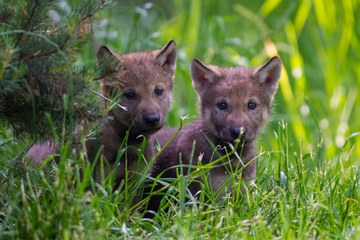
column 302, row 196
column 308, row 165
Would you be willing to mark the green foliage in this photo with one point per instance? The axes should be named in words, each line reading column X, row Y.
column 308, row 179
column 41, row 71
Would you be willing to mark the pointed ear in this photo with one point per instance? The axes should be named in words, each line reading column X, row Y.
column 202, row 75
column 167, row 56
column 108, row 62
column 269, row 74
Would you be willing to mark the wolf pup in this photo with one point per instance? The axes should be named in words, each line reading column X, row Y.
column 235, row 104
column 144, row 82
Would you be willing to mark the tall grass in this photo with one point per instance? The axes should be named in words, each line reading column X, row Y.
column 308, row 156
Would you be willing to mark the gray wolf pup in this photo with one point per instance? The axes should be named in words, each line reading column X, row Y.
column 235, row 103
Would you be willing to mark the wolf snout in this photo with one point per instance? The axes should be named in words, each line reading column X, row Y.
column 151, row 119
column 237, row 132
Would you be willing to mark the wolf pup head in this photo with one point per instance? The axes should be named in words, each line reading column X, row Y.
column 143, row 81
column 235, row 102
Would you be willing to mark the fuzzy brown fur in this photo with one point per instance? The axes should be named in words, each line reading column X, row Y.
column 235, row 104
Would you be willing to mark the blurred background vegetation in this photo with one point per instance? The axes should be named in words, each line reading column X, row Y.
column 318, row 42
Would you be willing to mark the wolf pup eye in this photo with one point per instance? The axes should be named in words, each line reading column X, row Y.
column 129, row 95
column 222, row 105
column 252, row 105
column 159, row 91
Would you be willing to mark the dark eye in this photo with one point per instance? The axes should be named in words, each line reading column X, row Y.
column 252, row 105
column 129, row 95
column 222, row 105
column 158, row 91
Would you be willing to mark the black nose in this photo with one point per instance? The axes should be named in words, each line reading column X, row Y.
column 236, row 131
column 151, row 119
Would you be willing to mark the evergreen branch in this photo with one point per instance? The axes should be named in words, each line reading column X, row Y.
column 87, row 16
column 29, row 20
column 46, row 39
column 48, row 53
column 36, row 77
column 27, row 23
column 97, row 8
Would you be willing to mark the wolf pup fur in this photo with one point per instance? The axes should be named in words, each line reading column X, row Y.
column 235, row 104
column 144, row 81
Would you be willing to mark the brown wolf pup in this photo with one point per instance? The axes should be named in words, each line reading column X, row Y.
column 144, row 82
column 235, row 104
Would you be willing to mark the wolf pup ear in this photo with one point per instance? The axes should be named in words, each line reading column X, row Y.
column 167, row 56
column 108, row 62
column 202, row 75
column 268, row 74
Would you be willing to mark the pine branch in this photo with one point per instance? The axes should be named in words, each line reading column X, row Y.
column 37, row 76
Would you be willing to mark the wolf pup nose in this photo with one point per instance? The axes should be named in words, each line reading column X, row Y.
column 152, row 119
column 237, row 132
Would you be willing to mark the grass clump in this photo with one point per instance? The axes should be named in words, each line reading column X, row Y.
column 295, row 195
